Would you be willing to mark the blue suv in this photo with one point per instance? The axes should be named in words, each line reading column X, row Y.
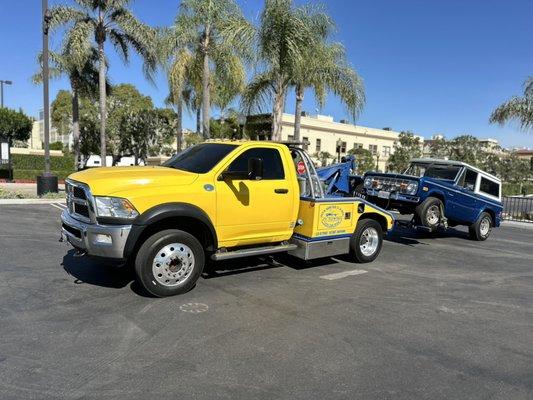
column 439, row 193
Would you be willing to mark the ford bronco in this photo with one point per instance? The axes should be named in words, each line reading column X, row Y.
column 440, row 193
column 216, row 200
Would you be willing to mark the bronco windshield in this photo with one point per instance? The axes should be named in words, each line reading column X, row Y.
column 433, row 170
column 200, row 158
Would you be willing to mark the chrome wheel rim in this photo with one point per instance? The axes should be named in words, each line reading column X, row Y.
column 484, row 226
column 433, row 215
column 369, row 241
column 173, row 264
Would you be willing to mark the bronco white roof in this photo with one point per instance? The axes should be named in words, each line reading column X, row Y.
column 453, row 162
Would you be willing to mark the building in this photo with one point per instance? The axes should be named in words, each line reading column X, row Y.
column 37, row 134
column 524, row 154
column 323, row 134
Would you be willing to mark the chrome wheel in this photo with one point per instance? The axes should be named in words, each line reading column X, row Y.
column 433, row 215
column 369, row 241
column 484, row 226
column 173, row 264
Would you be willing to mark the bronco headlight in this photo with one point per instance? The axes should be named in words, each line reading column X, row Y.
column 114, row 207
column 368, row 182
column 412, row 188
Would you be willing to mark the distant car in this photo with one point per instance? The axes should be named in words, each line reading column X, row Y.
column 125, row 161
column 440, row 192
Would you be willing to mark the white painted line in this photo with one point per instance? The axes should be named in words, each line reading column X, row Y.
column 344, row 274
column 26, row 201
column 59, row 205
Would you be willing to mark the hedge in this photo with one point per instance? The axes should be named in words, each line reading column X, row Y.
column 515, row 189
column 29, row 166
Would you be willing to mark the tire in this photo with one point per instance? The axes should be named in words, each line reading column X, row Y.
column 429, row 214
column 366, row 241
column 480, row 230
column 169, row 263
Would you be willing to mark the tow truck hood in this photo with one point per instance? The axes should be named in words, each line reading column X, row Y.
column 106, row 181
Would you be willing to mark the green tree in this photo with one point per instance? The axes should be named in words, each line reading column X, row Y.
column 83, row 78
column 216, row 37
column 324, row 68
column 95, row 23
column 285, row 33
column 439, row 148
column 364, row 160
column 15, row 125
column 518, row 108
column 323, row 157
column 468, row 149
column 407, row 147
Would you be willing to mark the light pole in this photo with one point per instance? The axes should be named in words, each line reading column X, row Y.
column 46, row 182
column 2, row 83
column 339, row 144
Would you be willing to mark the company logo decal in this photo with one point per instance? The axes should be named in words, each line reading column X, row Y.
column 332, row 216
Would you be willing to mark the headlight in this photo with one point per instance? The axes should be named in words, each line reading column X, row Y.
column 368, row 182
column 412, row 188
column 114, row 207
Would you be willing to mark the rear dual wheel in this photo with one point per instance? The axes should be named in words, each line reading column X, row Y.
column 366, row 241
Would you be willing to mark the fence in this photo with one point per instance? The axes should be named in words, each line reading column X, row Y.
column 518, row 209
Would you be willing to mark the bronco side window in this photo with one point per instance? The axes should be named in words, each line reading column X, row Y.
column 272, row 165
column 468, row 180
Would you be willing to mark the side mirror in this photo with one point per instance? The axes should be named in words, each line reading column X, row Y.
column 255, row 169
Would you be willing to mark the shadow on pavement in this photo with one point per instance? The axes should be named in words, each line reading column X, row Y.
column 410, row 237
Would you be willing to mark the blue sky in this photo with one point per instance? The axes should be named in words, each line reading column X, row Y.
column 431, row 67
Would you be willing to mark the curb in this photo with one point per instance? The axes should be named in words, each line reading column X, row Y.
column 517, row 224
column 30, row 201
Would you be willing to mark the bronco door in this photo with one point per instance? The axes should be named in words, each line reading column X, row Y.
column 256, row 211
column 465, row 199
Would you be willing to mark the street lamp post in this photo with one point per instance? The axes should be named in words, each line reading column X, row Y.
column 46, row 182
column 2, row 83
column 339, row 144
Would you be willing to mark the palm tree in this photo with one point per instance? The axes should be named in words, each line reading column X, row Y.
column 83, row 82
column 95, row 22
column 219, row 37
column 284, row 34
column 517, row 108
column 324, row 69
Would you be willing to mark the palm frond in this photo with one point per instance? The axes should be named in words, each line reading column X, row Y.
column 62, row 15
column 519, row 109
column 258, row 93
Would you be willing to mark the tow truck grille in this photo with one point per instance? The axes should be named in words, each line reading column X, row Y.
column 79, row 201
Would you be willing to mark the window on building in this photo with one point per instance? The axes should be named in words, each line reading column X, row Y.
column 318, row 144
column 272, row 164
column 305, row 146
column 489, row 187
column 343, row 147
column 358, row 146
column 373, row 149
column 385, row 151
column 290, row 138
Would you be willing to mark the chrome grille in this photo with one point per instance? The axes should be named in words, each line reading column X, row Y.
column 390, row 184
column 79, row 201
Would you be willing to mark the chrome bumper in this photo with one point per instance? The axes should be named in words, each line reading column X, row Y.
column 96, row 240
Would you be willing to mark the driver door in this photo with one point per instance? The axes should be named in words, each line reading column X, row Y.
column 255, row 211
column 465, row 201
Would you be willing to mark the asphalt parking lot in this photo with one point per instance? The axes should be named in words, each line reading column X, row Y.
column 432, row 318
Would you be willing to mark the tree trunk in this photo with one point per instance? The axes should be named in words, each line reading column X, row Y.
column 76, row 127
column 103, row 94
column 277, row 114
column 198, row 120
column 179, row 125
column 206, row 101
column 298, row 112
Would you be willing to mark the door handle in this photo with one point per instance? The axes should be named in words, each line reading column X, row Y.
column 450, row 194
column 281, row 191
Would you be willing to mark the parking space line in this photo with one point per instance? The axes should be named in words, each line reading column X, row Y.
column 344, row 274
column 59, row 206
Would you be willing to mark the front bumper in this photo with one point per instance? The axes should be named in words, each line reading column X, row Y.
column 96, row 240
column 394, row 196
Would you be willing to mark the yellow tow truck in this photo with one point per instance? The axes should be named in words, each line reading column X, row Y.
column 216, row 200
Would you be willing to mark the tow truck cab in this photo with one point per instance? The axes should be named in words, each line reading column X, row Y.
column 217, row 200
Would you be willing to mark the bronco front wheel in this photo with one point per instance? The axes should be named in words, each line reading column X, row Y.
column 169, row 263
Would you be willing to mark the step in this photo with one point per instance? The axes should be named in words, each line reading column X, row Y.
column 254, row 251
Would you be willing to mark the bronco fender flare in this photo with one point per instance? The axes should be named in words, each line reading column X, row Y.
column 162, row 212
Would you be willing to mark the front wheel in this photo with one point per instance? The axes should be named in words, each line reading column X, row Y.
column 366, row 241
column 480, row 230
column 169, row 263
column 429, row 213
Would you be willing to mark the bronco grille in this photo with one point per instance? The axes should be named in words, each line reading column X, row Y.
column 79, row 201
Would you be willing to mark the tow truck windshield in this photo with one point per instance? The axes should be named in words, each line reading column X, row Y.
column 200, row 158
column 437, row 171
